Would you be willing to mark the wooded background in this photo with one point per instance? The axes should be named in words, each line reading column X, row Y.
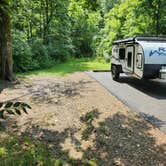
column 48, row 32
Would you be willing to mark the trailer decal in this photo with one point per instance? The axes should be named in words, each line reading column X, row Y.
column 160, row 52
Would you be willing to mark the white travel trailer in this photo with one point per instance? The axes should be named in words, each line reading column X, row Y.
column 143, row 57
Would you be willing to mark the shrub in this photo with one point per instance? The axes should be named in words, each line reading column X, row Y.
column 57, row 54
column 22, row 54
column 40, row 53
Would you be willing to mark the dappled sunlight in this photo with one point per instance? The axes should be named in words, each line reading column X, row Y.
column 87, row 126
column 48, row 52
column 120, row 139
column 116, row 140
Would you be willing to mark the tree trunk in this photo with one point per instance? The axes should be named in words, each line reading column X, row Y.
column 6, row 61
column 158, row 18
column 46, row 22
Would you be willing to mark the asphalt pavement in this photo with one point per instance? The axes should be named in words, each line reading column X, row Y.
column 147, row 97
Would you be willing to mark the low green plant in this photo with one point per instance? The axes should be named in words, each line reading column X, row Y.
column 22, row 54
column 88, row 120
column 13, row 108
column 40, row 54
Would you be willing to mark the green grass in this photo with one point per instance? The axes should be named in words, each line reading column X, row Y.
column 22, row 151
column 72, row 66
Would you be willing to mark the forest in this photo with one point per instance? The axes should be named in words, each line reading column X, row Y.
column 59, row 105
column 39, row 34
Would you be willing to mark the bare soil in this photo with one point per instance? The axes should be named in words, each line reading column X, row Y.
column 81, row 120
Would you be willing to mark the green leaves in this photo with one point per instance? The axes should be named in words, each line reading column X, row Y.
column 17, row 104
column 6, row 1
column 12, row 108
column 10, row 112
column 24, row 109
column 5, row 6
column 8, row 104
column 25, row 105
column 18, row 111
column 1, row 104
column 1, row 114
column 48, row 32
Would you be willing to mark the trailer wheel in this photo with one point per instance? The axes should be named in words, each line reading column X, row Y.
column 115, row 72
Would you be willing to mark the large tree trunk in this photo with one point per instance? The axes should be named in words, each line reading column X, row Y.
column 6, row 61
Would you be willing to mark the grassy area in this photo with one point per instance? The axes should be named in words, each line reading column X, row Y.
column 23, row 151
column 72, row 66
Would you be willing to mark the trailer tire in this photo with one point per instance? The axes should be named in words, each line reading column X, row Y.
column 115, row 72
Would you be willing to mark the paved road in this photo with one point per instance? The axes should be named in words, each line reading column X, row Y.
column 146, row 97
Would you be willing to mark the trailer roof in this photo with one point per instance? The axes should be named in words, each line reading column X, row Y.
column 140, row 38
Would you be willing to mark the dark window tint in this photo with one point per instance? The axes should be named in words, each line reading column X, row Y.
column 129, row 59
column 122, row 53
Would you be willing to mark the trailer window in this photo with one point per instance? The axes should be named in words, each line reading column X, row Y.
column 139, row 61
column 129, row 59
column 122, row 53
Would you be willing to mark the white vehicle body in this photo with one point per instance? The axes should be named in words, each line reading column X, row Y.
column 143, row 57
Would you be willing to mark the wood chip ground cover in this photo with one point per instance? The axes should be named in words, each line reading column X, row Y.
column 75, row 121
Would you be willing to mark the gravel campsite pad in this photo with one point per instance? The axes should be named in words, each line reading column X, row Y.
column 78, row 119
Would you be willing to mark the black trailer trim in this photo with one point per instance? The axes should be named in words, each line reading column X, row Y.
column 132, row 39
column 140, row 38
column 152, row 70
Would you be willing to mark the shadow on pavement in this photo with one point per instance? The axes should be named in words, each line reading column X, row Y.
column 152, row 88
column 153, row 120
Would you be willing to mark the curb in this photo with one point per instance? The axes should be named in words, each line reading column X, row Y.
column 101, row 70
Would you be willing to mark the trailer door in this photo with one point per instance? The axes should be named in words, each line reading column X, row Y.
column 129, row 59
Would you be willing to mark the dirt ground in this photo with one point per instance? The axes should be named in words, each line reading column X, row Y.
column 78, row 118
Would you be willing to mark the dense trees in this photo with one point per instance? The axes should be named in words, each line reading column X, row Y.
column 156, row 9
column 47, row 32
column 44, row 30
column 128, row 18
